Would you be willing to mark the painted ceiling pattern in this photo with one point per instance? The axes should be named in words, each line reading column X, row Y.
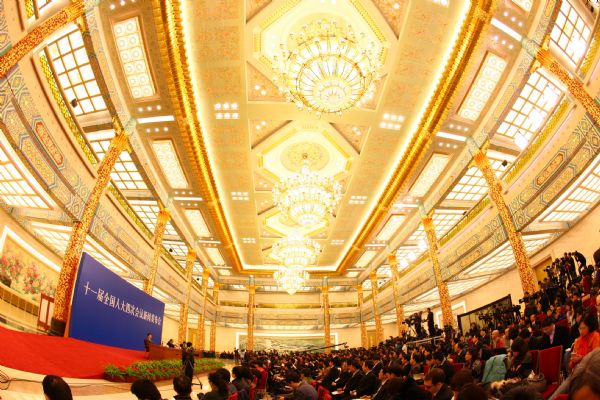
column 254, row 137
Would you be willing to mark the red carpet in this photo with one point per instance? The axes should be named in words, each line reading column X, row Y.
column 64, row 357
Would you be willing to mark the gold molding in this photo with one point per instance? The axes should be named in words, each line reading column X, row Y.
column 476, row 21
column 169, row 28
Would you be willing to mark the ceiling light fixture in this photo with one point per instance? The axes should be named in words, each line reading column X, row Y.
column 327, row 68
column 296, row 251
column 306, row 197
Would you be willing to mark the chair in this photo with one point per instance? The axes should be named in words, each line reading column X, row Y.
column 458, row 366
column 252, row 390
column 562, row 397
column 563, row 322
column 550, row 362
column 323, row 394
column 233, row 396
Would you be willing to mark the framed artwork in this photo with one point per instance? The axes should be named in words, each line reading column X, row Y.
column 24, row 270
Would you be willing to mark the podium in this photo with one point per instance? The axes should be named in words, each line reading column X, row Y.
column 164, row 353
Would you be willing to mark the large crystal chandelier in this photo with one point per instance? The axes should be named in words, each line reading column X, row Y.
column 327, row 68
column 296, row 251
column 290, row 279
column 307, row 197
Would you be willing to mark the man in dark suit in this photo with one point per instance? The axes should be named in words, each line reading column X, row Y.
column 342, row 379
column 382, row 390
column 148, row 342
column 353, row 382
column 368, row 383
column 434, row 384
column 430, row 324
column 333, row 374
column 555, row 335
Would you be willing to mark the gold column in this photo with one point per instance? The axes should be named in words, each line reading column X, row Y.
column 251, row 294
column 213, row 323
column 326, row 317
column 377, row 317
column 393, row 263
column 185, row 306
column 37, row 36
column 445, row 302
column 159, row 232
column 200, row 335
column 70, row 265
column 574, row 85
column 363, row 326
column 526, row 273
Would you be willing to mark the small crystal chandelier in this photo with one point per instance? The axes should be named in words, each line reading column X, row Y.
column 290, row 279
column 307, row 197
column 327, row 68
column 296, row 251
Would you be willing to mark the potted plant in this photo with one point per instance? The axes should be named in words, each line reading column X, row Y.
column 114, row 374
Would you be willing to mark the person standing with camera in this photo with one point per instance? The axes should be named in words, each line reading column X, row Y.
column 187, row 360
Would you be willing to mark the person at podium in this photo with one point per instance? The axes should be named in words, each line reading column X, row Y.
column 147, row 342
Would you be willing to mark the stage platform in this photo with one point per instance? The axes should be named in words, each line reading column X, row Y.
column 65, row 357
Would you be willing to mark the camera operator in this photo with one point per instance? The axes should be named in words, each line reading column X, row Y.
column 530, row 307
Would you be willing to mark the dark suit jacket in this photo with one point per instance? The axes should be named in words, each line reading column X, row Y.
column 341, row 381
column 353, row 382
column 367, row 385
column 410, row 390
column 331, row 376
column 377, row 367
column 561, row 338
column 382, row 392
column 445, row 393
column 448, row 369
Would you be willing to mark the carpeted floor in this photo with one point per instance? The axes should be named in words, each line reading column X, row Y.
column 64, row 357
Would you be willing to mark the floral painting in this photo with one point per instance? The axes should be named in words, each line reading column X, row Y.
column 24, row 273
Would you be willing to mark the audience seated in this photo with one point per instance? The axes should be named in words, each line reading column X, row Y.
column 588, row 340
column 564, row 312
column 183, row 387
column 219, row 388
column 55, row 388
column 585, row 381
column 434, row 384
column 145, row 389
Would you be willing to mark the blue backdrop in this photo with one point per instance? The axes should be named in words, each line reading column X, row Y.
column 109, row 310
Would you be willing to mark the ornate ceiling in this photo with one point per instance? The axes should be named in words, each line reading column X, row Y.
column 194, row 83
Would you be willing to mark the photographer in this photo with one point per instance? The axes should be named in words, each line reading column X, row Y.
column 187, row 360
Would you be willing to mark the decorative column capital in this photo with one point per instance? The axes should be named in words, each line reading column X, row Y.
column 392, row 259
column 251, row 289
column 427, row 222
column 191, row 256
column 359, row 289
column 373, row 276
column 163, row 216
column 325, row 289
column 205, row 275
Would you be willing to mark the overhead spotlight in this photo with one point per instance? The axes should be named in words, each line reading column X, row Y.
column 464, row 213
column 504, row 163
column 170, row 250
column 74, row 103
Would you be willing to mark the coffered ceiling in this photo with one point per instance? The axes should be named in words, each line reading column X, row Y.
column 263, row 137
